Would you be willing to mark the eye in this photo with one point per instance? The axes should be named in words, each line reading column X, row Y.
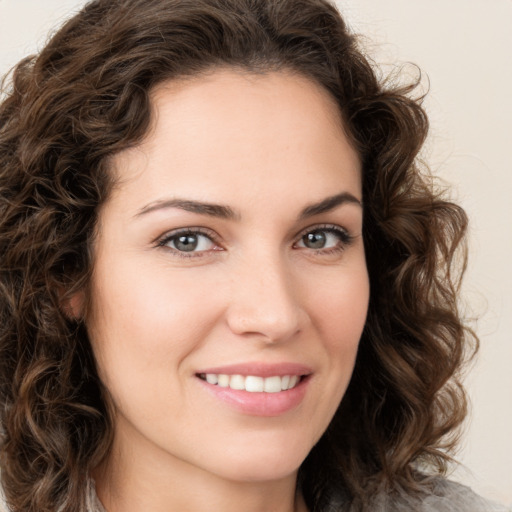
column 188, row 241
column 325, row 238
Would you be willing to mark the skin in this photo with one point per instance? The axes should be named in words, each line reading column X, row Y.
column 267, row 147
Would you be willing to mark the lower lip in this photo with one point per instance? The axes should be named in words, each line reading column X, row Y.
column 260, row 404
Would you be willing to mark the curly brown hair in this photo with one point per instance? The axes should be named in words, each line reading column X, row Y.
column 86, row 97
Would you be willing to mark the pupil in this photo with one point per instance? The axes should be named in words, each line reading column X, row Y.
column 186, row 243
column 315, row 240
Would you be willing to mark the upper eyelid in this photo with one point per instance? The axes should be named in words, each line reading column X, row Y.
column 324, row 225
column 320, row 227
column 162, row 240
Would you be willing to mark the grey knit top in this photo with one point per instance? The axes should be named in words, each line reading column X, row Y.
column 447, row 496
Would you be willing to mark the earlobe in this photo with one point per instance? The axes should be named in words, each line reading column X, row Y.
column 73, row 306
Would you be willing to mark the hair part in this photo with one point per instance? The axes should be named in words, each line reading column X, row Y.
column 86, row 97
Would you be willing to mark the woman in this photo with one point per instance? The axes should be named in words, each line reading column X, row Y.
column 225, row 281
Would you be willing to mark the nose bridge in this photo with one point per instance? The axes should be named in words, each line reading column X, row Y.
column 263, row 300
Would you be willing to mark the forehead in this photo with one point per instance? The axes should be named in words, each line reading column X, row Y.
column 228, row 130
column 219, row 87
column 235, row 100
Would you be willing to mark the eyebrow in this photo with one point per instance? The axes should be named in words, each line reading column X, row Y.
column 225, row 212
column 328, row 204
column 212, row 210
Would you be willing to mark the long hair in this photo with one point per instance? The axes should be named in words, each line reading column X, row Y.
column 86, row 97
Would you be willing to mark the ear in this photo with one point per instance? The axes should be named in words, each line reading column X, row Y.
column 73, row 306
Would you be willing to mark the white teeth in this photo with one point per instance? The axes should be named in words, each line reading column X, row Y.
column 237, row 382
column 211, row 378
column 223, row 381
column 272, row 385
column 293, row 381
column 252, row 383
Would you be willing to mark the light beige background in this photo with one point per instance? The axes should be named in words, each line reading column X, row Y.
column 465, row 48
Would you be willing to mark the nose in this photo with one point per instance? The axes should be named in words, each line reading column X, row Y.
column 264, row 300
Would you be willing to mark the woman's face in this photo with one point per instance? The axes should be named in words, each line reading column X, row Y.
column 229, row 266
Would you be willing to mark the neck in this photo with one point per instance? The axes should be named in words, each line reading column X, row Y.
column 146, row 483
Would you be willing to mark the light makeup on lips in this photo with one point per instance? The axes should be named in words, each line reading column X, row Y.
column 261, row 390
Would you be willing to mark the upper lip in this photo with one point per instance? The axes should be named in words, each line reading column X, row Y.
column 260, row 369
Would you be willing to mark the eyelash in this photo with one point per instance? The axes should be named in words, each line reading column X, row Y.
column 344, row 237
column 173, row 235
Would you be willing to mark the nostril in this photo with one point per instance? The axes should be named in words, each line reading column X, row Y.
column 269, row 325
column 263, row 302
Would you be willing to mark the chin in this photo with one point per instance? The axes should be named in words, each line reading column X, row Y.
column 261, row 463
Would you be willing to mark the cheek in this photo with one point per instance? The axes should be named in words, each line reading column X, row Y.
column 339, row 305
column 145, row 325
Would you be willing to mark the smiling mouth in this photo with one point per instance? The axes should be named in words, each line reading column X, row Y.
column 253, row 383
